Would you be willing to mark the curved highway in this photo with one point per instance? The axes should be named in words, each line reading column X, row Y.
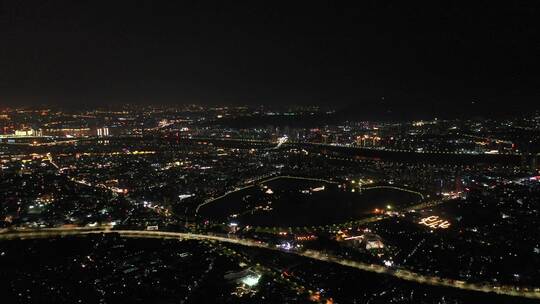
column 317, row 255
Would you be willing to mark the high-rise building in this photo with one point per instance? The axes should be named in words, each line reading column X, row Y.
column 103, row 132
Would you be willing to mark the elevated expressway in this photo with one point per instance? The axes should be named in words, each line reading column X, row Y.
column 517, row 291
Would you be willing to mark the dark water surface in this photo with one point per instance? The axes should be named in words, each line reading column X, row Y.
column 292, row 203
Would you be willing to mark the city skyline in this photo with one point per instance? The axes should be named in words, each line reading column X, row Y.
column 247, row 153
column 249, row 204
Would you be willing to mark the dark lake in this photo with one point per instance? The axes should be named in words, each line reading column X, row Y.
column 296, row 202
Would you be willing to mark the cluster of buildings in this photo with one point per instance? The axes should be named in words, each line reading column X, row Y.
column 155, row 168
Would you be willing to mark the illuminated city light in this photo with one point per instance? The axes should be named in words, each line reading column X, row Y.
column 306, row 238
column 251, row 280
column 286, row 246
column 435, row 222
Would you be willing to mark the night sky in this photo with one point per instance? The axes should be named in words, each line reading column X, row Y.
column 425, row 57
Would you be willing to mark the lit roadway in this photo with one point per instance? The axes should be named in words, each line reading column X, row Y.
column 317, row 255
column 314, row 144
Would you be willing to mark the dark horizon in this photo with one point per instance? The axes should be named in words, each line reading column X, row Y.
column 415, row 60
column 370, row 111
